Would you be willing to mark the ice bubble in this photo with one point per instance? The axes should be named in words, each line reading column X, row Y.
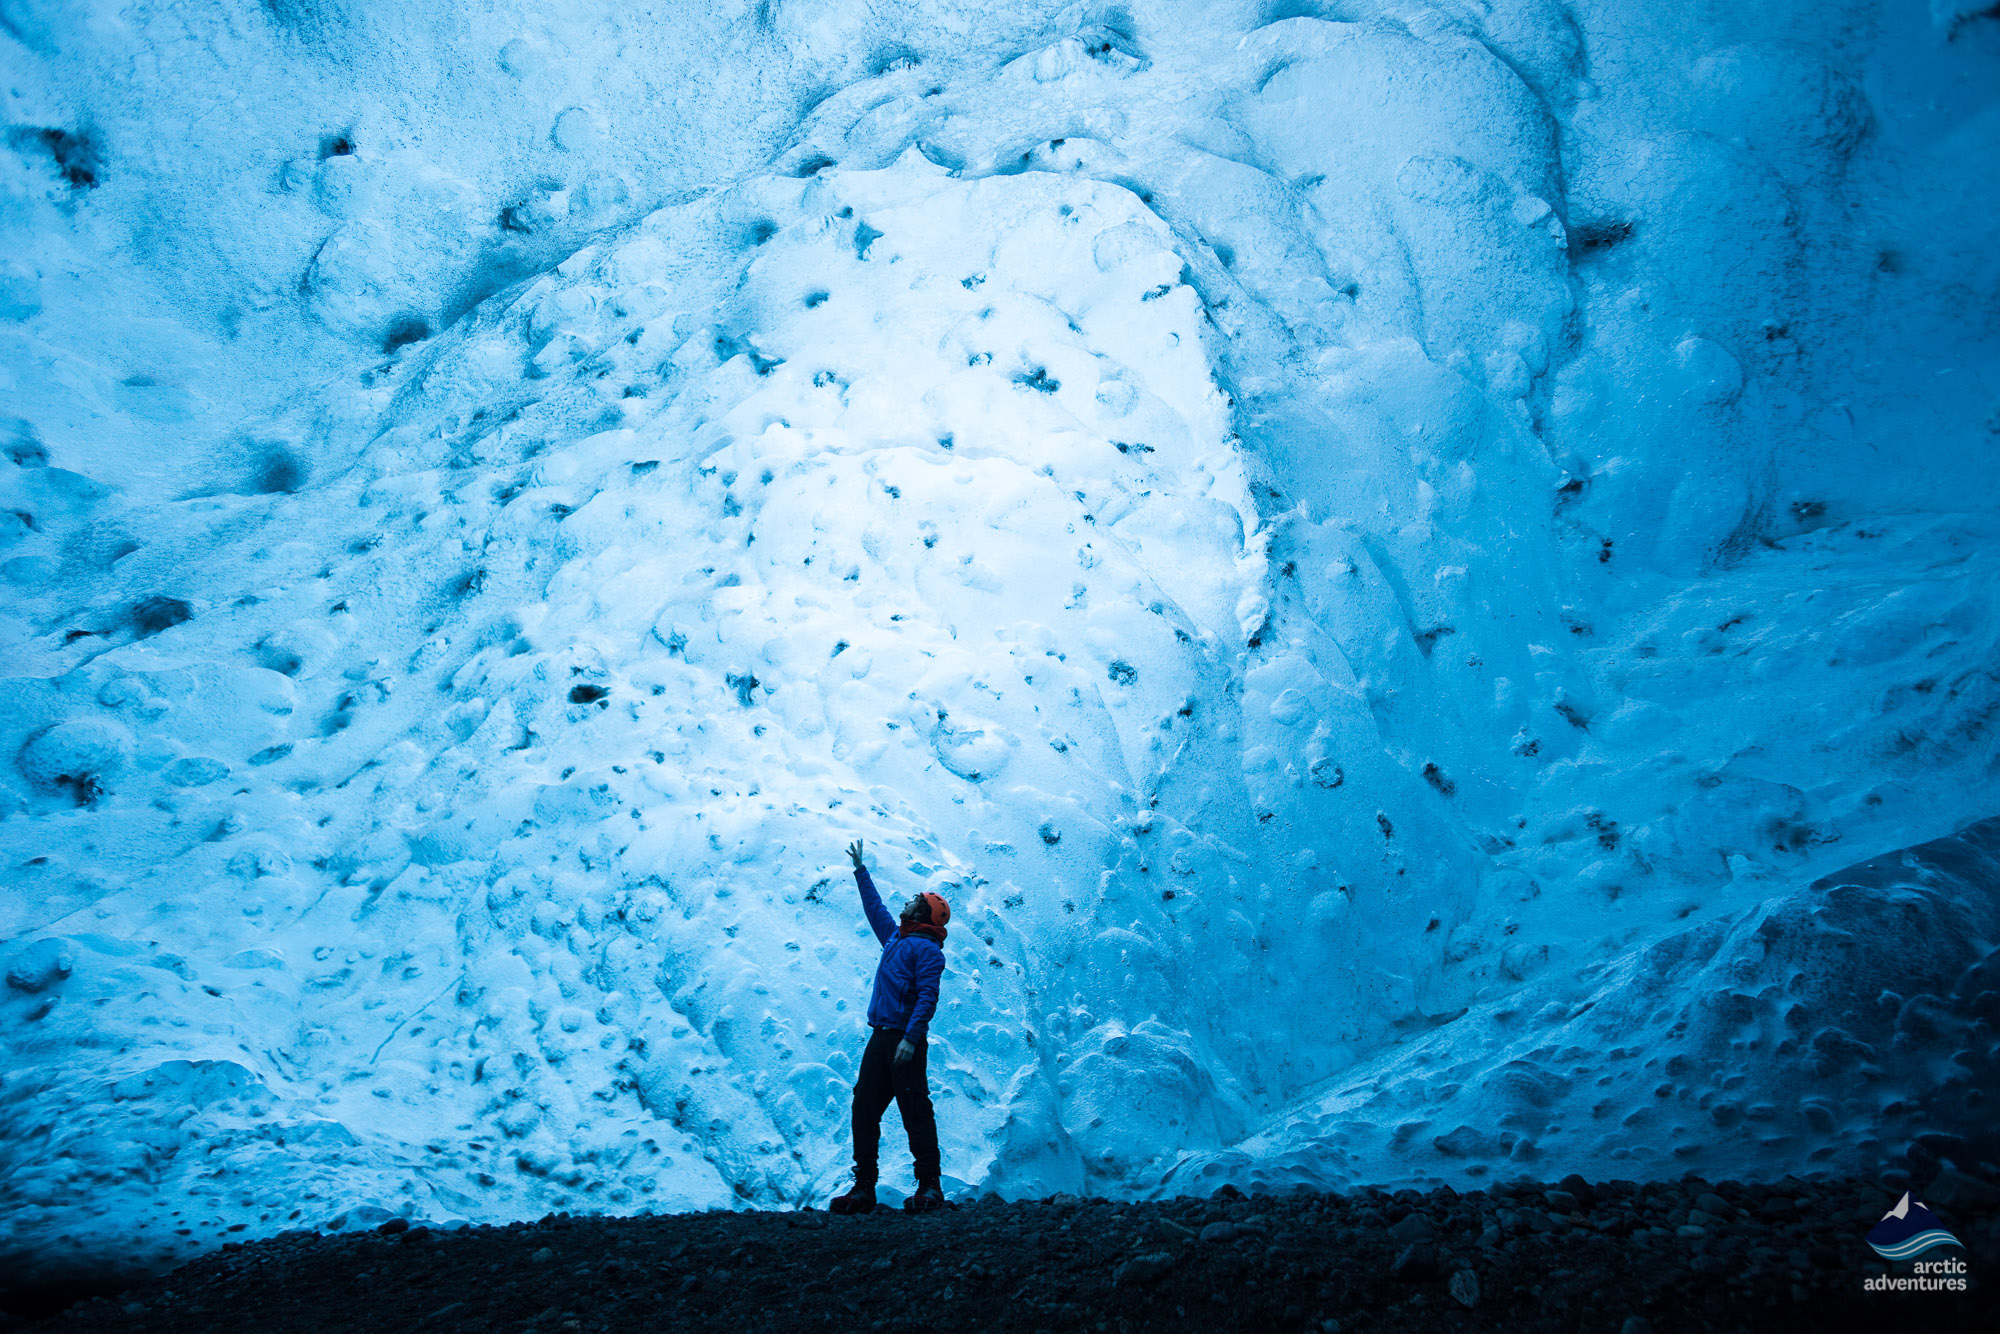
column 1530, row 209
column 82, row 755
column 41, row 965
column 1713, row 376
column 1117, row 397
column 1786, row 102
column 255, row 862
column 973, row 752
column 196, row 771
column 1118, row 246
column 20, row 294
column 1289, row 707
column 579, row 130
column 255, row 958
column 297, row 650
column 603, row 193
column 29, row 571
column 337, row 182
column 523, row 57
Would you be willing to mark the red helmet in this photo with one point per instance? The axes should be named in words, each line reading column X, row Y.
column 940, row 910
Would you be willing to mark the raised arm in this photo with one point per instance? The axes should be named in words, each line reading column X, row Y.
column 871, row 902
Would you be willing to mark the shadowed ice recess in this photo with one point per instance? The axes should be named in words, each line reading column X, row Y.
column 1410, row 569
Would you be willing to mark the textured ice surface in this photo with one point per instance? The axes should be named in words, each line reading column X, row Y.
column 1376, row 554
column 1814, row 1027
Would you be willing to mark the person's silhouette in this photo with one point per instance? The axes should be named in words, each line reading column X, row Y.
column 894, row 1064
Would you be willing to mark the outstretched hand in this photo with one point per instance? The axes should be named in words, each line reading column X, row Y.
column 854, row 851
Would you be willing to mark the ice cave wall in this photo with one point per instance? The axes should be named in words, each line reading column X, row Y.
column 1347, row 539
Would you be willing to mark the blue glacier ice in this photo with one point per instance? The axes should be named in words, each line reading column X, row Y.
column 1422, row 574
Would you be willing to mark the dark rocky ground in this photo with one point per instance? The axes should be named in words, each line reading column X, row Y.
column 1613, row 1257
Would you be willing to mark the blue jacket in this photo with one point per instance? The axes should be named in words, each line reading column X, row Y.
column 906, row 981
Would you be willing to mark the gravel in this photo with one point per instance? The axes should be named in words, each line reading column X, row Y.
column 1611, row 1256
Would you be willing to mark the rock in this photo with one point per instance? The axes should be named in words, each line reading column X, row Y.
column 1464, row 1287
column 41, row 965
column 1562, row 1201
column 1714, row 1205
column 1585, row 1193
column 1955, row 1190
column 1219, row 1231
column 1414, row 1227
column 1166, row 1229
column 543, row 1256
column 1417, row 1263
column 394, row 1225
column 1636, row 1324
column 1489, row 1236
column 1148, row 1268
column 361, row 1217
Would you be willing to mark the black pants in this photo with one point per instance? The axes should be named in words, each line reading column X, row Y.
column 882, row 1079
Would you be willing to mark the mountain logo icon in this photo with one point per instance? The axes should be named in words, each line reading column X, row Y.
column 1908, row 1230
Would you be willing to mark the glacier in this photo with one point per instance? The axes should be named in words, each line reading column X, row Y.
column 1422, row 575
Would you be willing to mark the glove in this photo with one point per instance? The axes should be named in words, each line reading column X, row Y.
column 905, row 1051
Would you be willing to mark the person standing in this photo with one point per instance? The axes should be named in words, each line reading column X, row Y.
column 894, row 1064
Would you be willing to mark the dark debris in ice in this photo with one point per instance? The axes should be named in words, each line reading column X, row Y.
column 151, row 615
column 74, row 153
column 1598, row 235
column 1039, row 380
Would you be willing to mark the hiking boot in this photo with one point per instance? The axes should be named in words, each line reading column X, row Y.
column 927, row 1198
column 860, row 1200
